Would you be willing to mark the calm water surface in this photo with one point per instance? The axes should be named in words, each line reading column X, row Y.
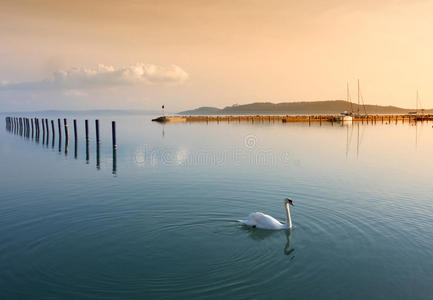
column 161, row 222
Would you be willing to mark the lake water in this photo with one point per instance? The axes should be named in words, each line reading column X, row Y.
column 161, row 223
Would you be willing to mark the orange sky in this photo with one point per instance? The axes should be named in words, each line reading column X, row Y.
column 200, row 53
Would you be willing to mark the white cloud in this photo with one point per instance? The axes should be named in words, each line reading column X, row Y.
column 74, row 93
column 104, row 76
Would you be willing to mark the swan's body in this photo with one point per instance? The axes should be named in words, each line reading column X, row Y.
column 264, row 221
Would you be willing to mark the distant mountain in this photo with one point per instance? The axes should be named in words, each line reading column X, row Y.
column 292, row 108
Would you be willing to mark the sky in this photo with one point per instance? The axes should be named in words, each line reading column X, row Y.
column 189, row 53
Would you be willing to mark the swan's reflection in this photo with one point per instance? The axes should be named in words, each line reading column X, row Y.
column 260, row 235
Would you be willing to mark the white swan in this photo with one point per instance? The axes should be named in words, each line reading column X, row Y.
column 263, row 221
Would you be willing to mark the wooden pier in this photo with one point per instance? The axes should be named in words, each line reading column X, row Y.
column 291, row 119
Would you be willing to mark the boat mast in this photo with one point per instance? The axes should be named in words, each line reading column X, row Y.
column 358, row 96
column 348, row 97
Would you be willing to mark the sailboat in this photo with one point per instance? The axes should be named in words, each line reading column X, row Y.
column 416, row 113
column 347, row 116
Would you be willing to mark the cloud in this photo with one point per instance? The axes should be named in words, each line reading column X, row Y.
column 74, row 93
column 104, row 76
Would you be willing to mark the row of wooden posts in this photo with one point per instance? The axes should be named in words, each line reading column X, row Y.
column 31, row 128
column 373, row 119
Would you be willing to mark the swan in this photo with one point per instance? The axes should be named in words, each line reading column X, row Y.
column 263, row 221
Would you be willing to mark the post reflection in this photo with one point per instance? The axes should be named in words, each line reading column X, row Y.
column 87, row 151
column 75, row 149
column 98, row 152
column 66, row 145
column 114, row 162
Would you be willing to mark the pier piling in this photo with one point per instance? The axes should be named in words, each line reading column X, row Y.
column 86, row 125
column 75, row 131
column 32, row 128
column 60, row 129
column 97, row 131
column 48, row 130
column 76, row 140
column 65, row 122
column 54, row 133
column 113, row 133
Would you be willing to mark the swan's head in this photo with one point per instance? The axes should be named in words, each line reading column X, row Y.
column 289, row 201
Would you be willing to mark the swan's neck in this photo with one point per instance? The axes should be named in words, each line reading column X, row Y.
column 288, row 217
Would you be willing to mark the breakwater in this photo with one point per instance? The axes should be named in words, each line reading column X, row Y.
column 299, row 118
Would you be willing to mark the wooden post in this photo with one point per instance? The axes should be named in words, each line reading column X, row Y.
column 33, row 128
column 48, row 130
column 54, row 132
column 38, row 130
column 66, row 129
column 75, row 131
column 113, row 133
column 86, row 124
column 97, row 131
column 75, row 140
column 60, row 129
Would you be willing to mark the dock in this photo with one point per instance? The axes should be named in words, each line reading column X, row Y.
column 294, row 118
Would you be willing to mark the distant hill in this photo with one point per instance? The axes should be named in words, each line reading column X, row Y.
column 291, row 108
